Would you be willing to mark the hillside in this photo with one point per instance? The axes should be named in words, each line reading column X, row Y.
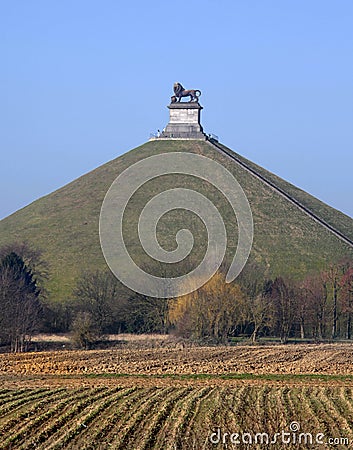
column 64, row 224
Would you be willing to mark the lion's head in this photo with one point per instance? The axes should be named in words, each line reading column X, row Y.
column 178, row 88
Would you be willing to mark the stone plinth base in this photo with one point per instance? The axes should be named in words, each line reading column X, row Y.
column 184, row 122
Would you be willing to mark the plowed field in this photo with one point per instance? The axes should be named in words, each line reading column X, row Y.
column 191, row 398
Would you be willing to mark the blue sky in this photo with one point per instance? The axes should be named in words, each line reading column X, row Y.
column 82, row 82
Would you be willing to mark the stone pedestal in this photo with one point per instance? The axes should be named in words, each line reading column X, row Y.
column 184, row 122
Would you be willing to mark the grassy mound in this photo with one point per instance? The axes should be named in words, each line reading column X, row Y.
column 64, row 224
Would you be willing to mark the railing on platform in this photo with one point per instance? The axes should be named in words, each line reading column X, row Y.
column 213, row 137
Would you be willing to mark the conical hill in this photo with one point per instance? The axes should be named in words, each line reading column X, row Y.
column 287, row 241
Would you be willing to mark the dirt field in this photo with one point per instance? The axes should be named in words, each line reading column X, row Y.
column 280, row 359
column 175, row 398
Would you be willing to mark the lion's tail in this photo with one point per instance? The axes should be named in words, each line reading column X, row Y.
column 197, row 92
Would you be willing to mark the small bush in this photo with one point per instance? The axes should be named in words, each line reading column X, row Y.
column 84, row 331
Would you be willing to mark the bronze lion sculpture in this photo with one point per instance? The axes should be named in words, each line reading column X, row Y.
column 180, row 92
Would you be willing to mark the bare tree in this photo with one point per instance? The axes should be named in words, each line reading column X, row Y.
column 314, row 295
column 302, row 311
column 143, row 314
column 260, row 314
column 346, row 300
column 331, row 278
column 258, row 308
column 211, row 313
column 284, row 297
column 96, row 293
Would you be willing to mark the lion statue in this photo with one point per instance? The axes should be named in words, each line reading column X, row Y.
column 180, row 92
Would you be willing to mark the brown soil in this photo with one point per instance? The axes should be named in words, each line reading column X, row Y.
column 333, row 359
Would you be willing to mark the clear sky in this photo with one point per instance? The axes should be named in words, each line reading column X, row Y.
column 82, row 82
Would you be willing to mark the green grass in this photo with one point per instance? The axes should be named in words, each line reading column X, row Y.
column 64, row 224
column 337, row 219
column 229, row 376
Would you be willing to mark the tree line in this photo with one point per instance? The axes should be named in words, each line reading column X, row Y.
column 317, row 307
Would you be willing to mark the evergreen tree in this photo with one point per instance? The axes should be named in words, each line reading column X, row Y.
column 20, row 308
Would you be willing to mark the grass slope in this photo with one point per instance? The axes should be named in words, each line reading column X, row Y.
column 64, row 224
column 337, row 219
